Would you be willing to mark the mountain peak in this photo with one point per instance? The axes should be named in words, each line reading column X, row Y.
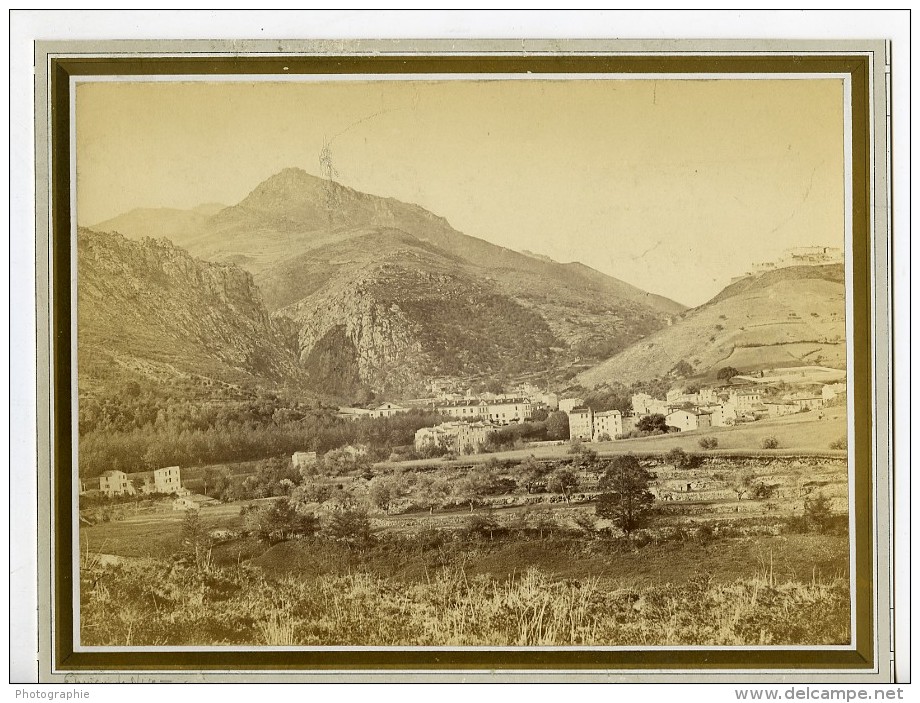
column 289, row 183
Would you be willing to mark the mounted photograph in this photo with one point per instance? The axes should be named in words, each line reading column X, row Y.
column 476, row 361
column 516, row 361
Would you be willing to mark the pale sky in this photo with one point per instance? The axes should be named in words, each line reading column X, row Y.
column 672, row 185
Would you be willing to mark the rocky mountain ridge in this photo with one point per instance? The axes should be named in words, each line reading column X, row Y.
column 386, row 294
column 148, row 307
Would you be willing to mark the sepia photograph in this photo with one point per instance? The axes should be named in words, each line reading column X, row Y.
column 496, row 362
column 462, row 361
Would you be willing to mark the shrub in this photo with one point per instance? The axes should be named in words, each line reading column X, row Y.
column 705, row 533
column 681, row 459
column 770, row 442
column 708, row 442
column 818, row 515
column 351, row 526
column 839, row 443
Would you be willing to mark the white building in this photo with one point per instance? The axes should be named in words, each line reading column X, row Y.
column 608, row 423
column 581, row 424
column 686, row 420
column 303, row 459
column 721, row 415
column 831, row 390
column 388, row 410
column 509, row 410
column 640, row 403
column 566, row 405
column 115, row 483
column 707, row 396
column 780, row 408
column 167, row 480
column 353, row 413
column 744, row 400
column 461, row 437
column 806, row 401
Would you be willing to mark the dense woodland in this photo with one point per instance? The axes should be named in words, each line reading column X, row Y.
column 138, row 429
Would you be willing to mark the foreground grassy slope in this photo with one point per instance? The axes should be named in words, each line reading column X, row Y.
column 160, row 604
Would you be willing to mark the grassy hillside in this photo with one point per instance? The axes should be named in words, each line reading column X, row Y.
column 790, row 317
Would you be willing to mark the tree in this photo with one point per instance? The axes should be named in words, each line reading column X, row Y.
column 682, row 368
column 818, row 515
column 350, row 525
column 585, row 523
column 653, row 424
column 478, row 483
column 482, row 525
column 585, row 459
column 380, row 492
column 679, row 458
column 742, row 482
column 533, row 474
column 209, row 477
column 557, row 425
column 194, row 536
column 279, row 521
column 562, row 481
column 626, row 499
column 727, row 373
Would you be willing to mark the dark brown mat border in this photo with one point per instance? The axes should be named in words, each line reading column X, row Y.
column 63, row 68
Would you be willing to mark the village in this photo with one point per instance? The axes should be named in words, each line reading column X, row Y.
column 741, row 399
column 471, row 421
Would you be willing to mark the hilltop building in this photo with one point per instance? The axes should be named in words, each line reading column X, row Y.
column 353, row 413
column 388, row 410
column 830, row 391
column 166, row 480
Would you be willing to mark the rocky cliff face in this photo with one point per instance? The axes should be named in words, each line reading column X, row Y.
column 148, row 306
column 405, row 311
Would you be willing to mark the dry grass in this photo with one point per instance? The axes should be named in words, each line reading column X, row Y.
column 151, row 602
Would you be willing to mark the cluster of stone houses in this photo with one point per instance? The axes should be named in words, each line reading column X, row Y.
column 459, row 437
column 502, row 410
column 684, row 411
column 167, row 481
column 797, row 256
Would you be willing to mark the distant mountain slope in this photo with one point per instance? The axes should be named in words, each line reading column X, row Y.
column 787, row 317
column 293, row 212
column 178, row 226
column 307, row 240
column 147, row 307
